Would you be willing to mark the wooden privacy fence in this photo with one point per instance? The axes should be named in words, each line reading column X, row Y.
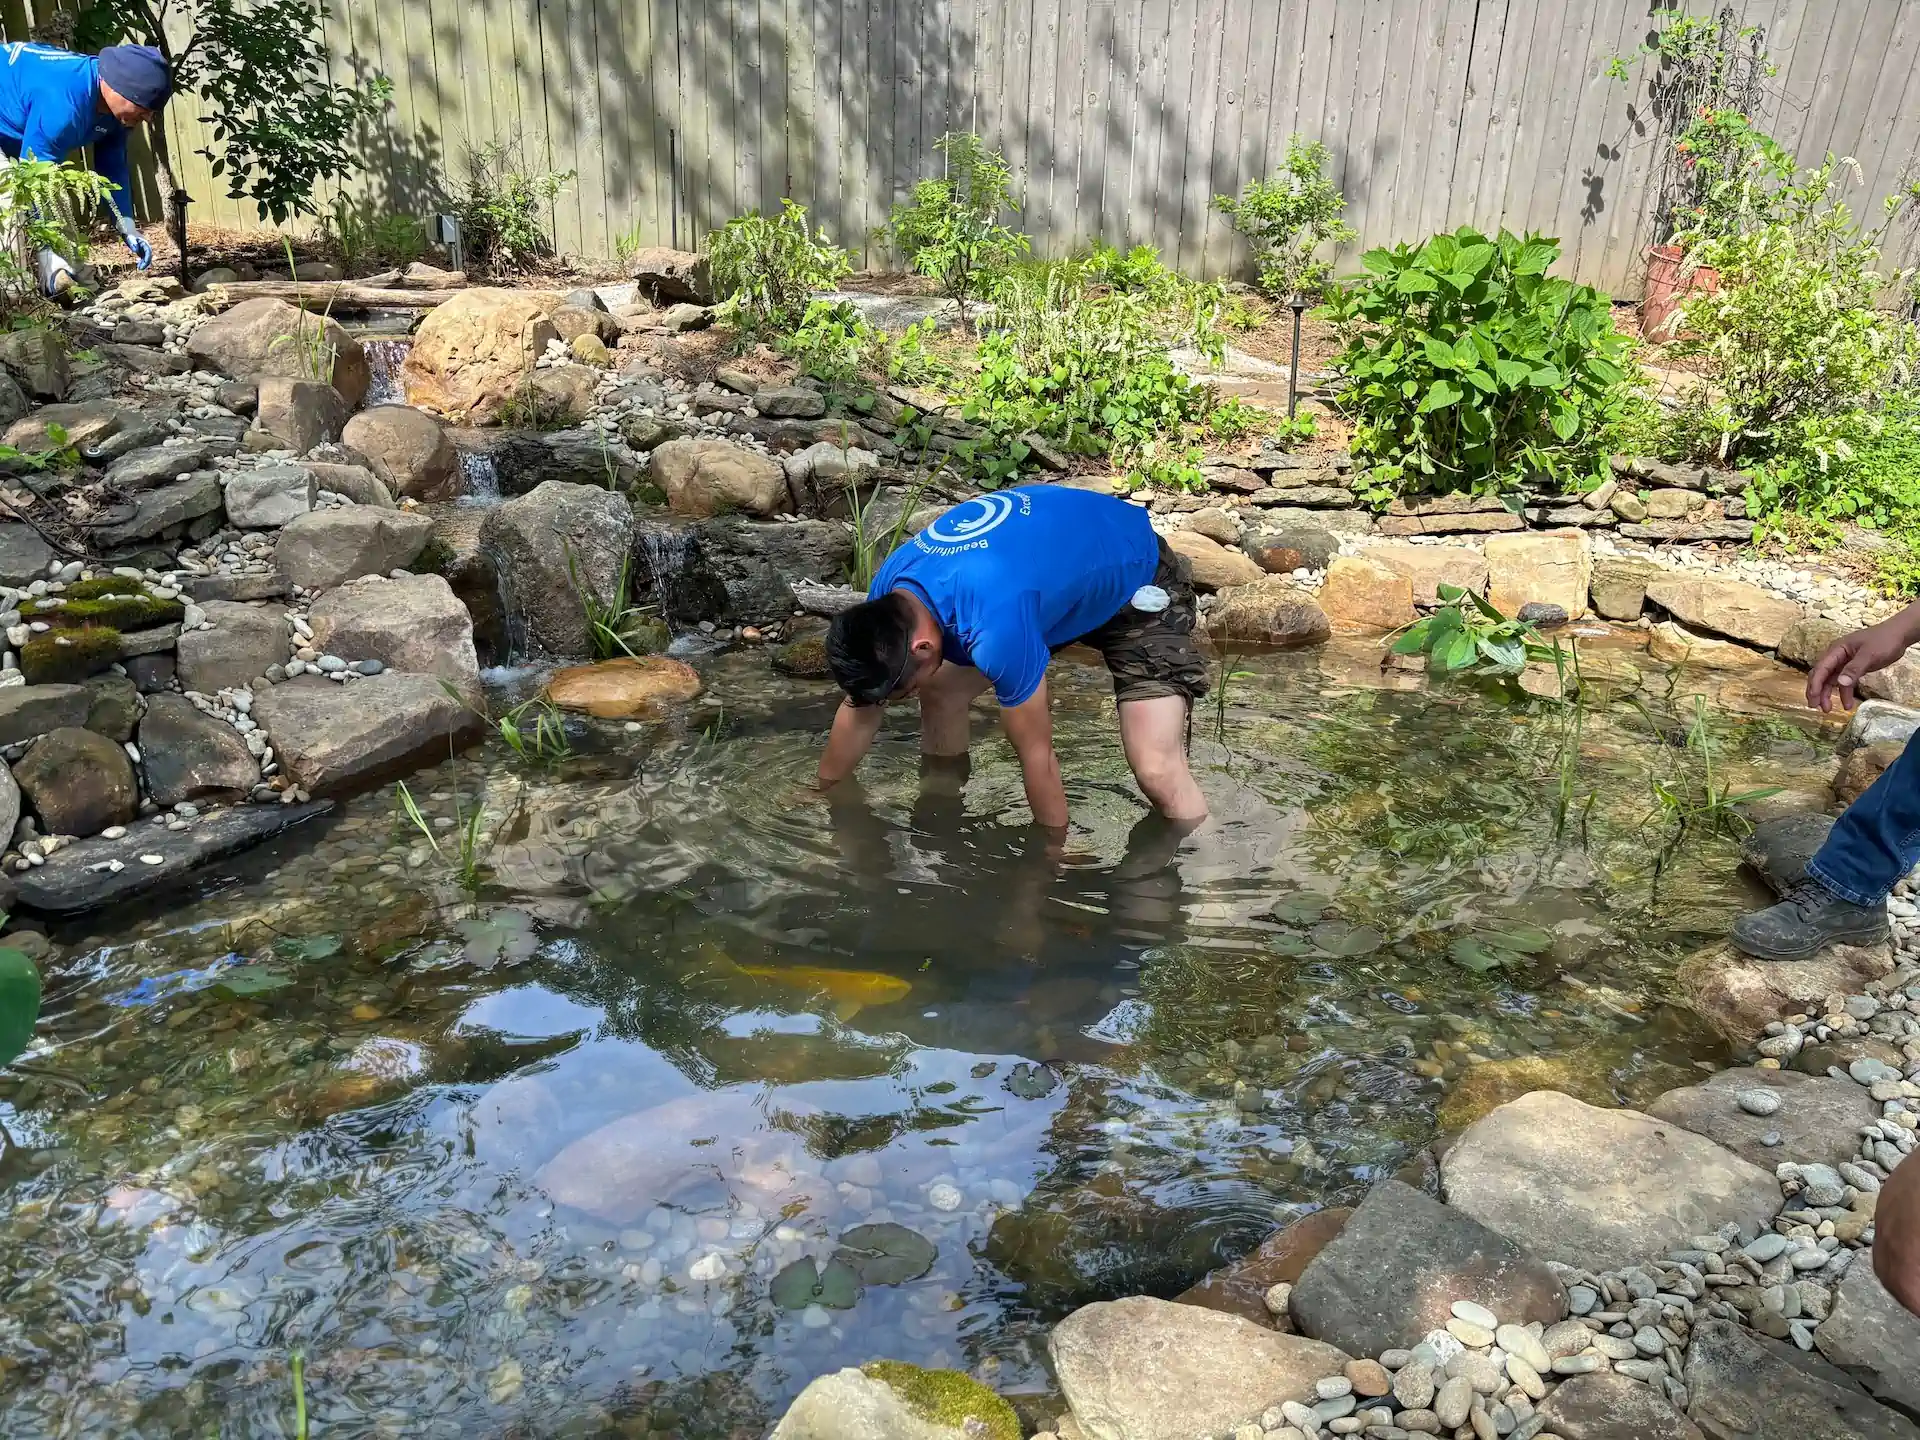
column 1123, row 118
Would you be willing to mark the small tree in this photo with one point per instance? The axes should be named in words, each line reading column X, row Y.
column 1288, row 218
column 771, row 265
column 280, row 125
column 950, row 230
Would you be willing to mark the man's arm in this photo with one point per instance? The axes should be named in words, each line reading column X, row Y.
column 110, row 162
column 1030, row 728
column 1858, row 654
column 854, row 727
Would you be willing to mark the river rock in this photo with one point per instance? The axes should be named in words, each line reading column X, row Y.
column 1584, row 1072
column 24, row 556
column 261, row 338
column 332, row 738
column 156, row 512
column 13, row 401
column 849, row 1405
column 300, row 414
column 1427, row 567
column 331, row 547
column 550, row 546
column 526, row 460
column 1807, row 639
column 1145, row 1369
column 714, row 477
column 268, row 497
column 1778, row 849
column 557, row 395
column 244, row 641
column 1873, row 1338
column 1738, row 995
column 36, row 356
column 77, row 782
column 1554, row 567
column 413, row 623
column 1619, row 587
column 1282, row 549
column 474, row 352
column 113, row 707
column 1877, row 722
column 9, row 801
column 1605, row 1406
column 69, row 883
column 1241, row 1287
column 1606, row 1189
column 669, row 277
column 572, row 320
column 1269, row 612
column 1741, row 1387
column 1818, row 1120
column 191, row 756
column 1400, row 1262
column 30, row 710
column 626, row 688
column 87, row 423
column 1364, row 597
column 153, row 465
column 407, row 449
column 1677, row 645
column 1860, row 767
column 1214, row 567
column 355, row 482
column 790, row 402
column 1898, row 682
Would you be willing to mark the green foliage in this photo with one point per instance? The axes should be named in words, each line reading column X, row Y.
column 298, row 1363
column 950, row 229
column 833, row 342
column 613, row 623
column 1739, row 178
column 1467, row 367
column 533, row 730
column 1233, row 419
column 1468, row 634
column 949, row 1398
column 504, row 207
column 872, row 541
column 69, row 656
column 1136, row 272
column 19, row 1003
column 60, row 455
column 771, row 265
column 907, row 360
column 50, row 206
column 834, row 1286
column 1289, row 217
column 313, row 352
column 465, row 860
column 1876, row 484
column 364, row 235
column 1687, row 792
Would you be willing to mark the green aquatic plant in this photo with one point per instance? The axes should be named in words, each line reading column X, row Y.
column 19, row 1003
column 464, row 864
column 298, row 1361
column 1690, row 796
column 1467, row 633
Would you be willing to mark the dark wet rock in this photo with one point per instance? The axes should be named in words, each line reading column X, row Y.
column 1542, row 615
column 528, row 459
column 1282, row 549
column 69, row 883
column 30, row 710
column 1401, row 1260
column 13, row 401
column 1873, row 1338
column 1741, row 1387
column 140, row 332
column 191, row 756
column 24, row 556
column 113, row 706
column 157, row 465
column 1151, row 1368
column 1739, row 995
column 244, row 641
column 1817, row 1057
column 1240, row 1288
column 1269, row 612
column 740, row 571
column 804, row 658
column 331, row 738
column 157, row 511
column 669, row 277
column 548, row 546
column 1779, row 849
column 77, row 782
column 455, row 554
column 1551, row 1174
column 1818, row 1120
column 330, row 547
column 1605, row 1406
column 151, row 673
column 36, row 356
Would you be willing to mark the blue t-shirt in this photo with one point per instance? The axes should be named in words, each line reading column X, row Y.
column 50, row 107
column 1015, row 573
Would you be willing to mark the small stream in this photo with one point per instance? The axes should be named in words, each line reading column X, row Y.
column 344, row 1106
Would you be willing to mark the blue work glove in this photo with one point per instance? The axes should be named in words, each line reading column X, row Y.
column 136, row 242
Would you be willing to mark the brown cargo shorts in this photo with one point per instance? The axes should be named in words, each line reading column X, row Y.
column 1154, row 654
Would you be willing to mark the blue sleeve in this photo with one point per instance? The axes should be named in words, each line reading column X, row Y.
column 1011, row 650
column 110, row 160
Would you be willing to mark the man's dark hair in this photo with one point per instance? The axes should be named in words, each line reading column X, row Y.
column 870, row 646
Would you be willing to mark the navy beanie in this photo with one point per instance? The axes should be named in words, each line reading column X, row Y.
column 138, row 72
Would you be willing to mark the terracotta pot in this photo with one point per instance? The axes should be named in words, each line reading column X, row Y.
column 1666, row 289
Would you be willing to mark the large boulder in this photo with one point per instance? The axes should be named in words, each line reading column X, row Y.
column 1401, row 1260
column 30, row 710
column 1874, row 1338
column 736, row 570
column 1817, row 1121
column 331, row 547
column 1741, row 1387
column 1281, row 549
column 300, row 414
column 1364, row 597
column 259, row 338
column 1145, row 1369
column 529, row 459
column 715, row 477
column 1605, row 1189
column 1732, row 608
column 850, row 1405
column 456, row 555
column 1240, row 1287
column 1428, row 567
column 673, row 277
column 553, row 546
column 244, row 641
column 1607, row 1406
column 474, row 352
column 192, row 756
column 332, row 738
column 1547, row 567
column 37, row 357
column 1270, row 613
column 407, row 449
column 555, row 395
column 625, row 688
column 416, row 624
column 113, row 706
column 1738, row 995
column 78, row 783
column 268, row 497
column 1213, row 565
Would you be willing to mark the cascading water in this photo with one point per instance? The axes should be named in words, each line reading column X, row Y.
column 664, row 551
column 480, row 478
column 384, row 359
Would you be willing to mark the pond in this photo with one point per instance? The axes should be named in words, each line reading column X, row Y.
column 712, row 1087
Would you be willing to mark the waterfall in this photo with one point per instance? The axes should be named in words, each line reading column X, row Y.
column 384, row 359
column 480, row 479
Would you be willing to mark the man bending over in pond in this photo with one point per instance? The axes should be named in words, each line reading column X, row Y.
column 984, row 595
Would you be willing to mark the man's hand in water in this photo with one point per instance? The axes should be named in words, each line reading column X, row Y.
column 1853, row 656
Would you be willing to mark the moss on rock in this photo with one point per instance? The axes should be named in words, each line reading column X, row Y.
column 69, row 656
column 122, row 612
column 804, row 659
column 948, row 1397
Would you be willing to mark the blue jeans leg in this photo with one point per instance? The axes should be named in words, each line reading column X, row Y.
column 1877, row 840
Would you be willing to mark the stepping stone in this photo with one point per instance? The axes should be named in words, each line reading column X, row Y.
column 1606, row 1406
column 1872, row 1337
column 1818, row 1121
column 1741, row 1387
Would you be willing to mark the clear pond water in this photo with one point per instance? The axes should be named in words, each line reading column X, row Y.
column 575, row 1156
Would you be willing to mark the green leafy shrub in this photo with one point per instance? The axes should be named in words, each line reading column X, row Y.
column 1738, row 178
column 363, row 234
column 51, row 207
column 503, row 207
column 1467, row 367
column 1467, row 633
column 950, row 229
column 68, row 656
column 771, row 265
column 833, row 343
column 1288, row 218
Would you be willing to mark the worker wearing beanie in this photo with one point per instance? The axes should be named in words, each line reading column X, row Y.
column 53, row 102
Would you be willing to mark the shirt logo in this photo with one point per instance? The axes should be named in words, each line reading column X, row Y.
column 968, row 523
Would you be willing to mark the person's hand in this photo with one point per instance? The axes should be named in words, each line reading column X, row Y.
column 1850, row 657
column 142, row 251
